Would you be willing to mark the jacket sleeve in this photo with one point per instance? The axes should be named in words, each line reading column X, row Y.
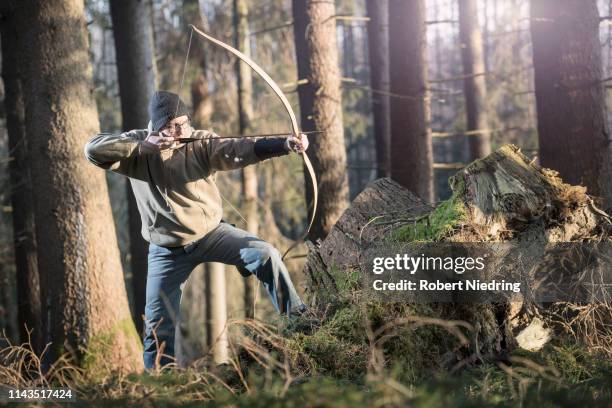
column 229, row 154
column 118, row 153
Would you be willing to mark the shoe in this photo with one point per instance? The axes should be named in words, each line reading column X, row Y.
column 298, row 311
column 302, row 320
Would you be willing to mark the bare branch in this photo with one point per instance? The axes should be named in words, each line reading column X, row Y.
column 448, row 166
column 442, row 22
column 476, row 132
column 351, row 18
column 268, row 29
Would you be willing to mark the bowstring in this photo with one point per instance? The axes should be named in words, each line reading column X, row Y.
column 184, row 71
column 177, row 106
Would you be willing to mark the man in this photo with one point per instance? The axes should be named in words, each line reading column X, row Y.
column 180, row 210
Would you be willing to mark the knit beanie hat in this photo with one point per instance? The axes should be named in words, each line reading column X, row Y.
column 165, row 106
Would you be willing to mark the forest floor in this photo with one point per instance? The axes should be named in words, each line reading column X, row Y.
column 337, row 358
column 335, row 365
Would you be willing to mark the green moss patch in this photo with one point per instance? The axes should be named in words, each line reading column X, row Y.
column 103, row 344
column 436, row 225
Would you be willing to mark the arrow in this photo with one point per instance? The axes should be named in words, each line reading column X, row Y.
column 194, row 139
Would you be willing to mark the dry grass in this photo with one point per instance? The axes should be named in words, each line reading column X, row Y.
column 21, row 367
column 254, row 346
column 266, row 367
column 588, row 324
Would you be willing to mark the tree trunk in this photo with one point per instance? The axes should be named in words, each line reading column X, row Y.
column 411, row 146
column 378, row 46
column 321, row 108
column 216, row 312
column 200, row 99
column 486, row 49
column 28, row 289
column 83, row 290
column 200, row 95
column 137, row 74
column 474, row 83
column 573, row 134
column 245, row 115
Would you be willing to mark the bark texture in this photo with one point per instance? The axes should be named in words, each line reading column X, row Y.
column 378, row 47
column 84, row 294
column 382, row 200
column 508, row 196
column 474, row 83
column 411, row 145
column 137, row 75
column 26, row 263
column 321, row 108
column 573, row 135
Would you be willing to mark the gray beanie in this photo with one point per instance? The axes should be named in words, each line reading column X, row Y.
column 165, row 106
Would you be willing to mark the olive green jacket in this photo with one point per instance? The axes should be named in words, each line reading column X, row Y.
column 175, row 189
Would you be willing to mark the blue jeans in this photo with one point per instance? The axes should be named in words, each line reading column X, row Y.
column 170, row 267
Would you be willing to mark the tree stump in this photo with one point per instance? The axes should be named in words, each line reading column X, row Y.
column 508, row 198
column 504, row 197
column 506, row 194
column 369, row 218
